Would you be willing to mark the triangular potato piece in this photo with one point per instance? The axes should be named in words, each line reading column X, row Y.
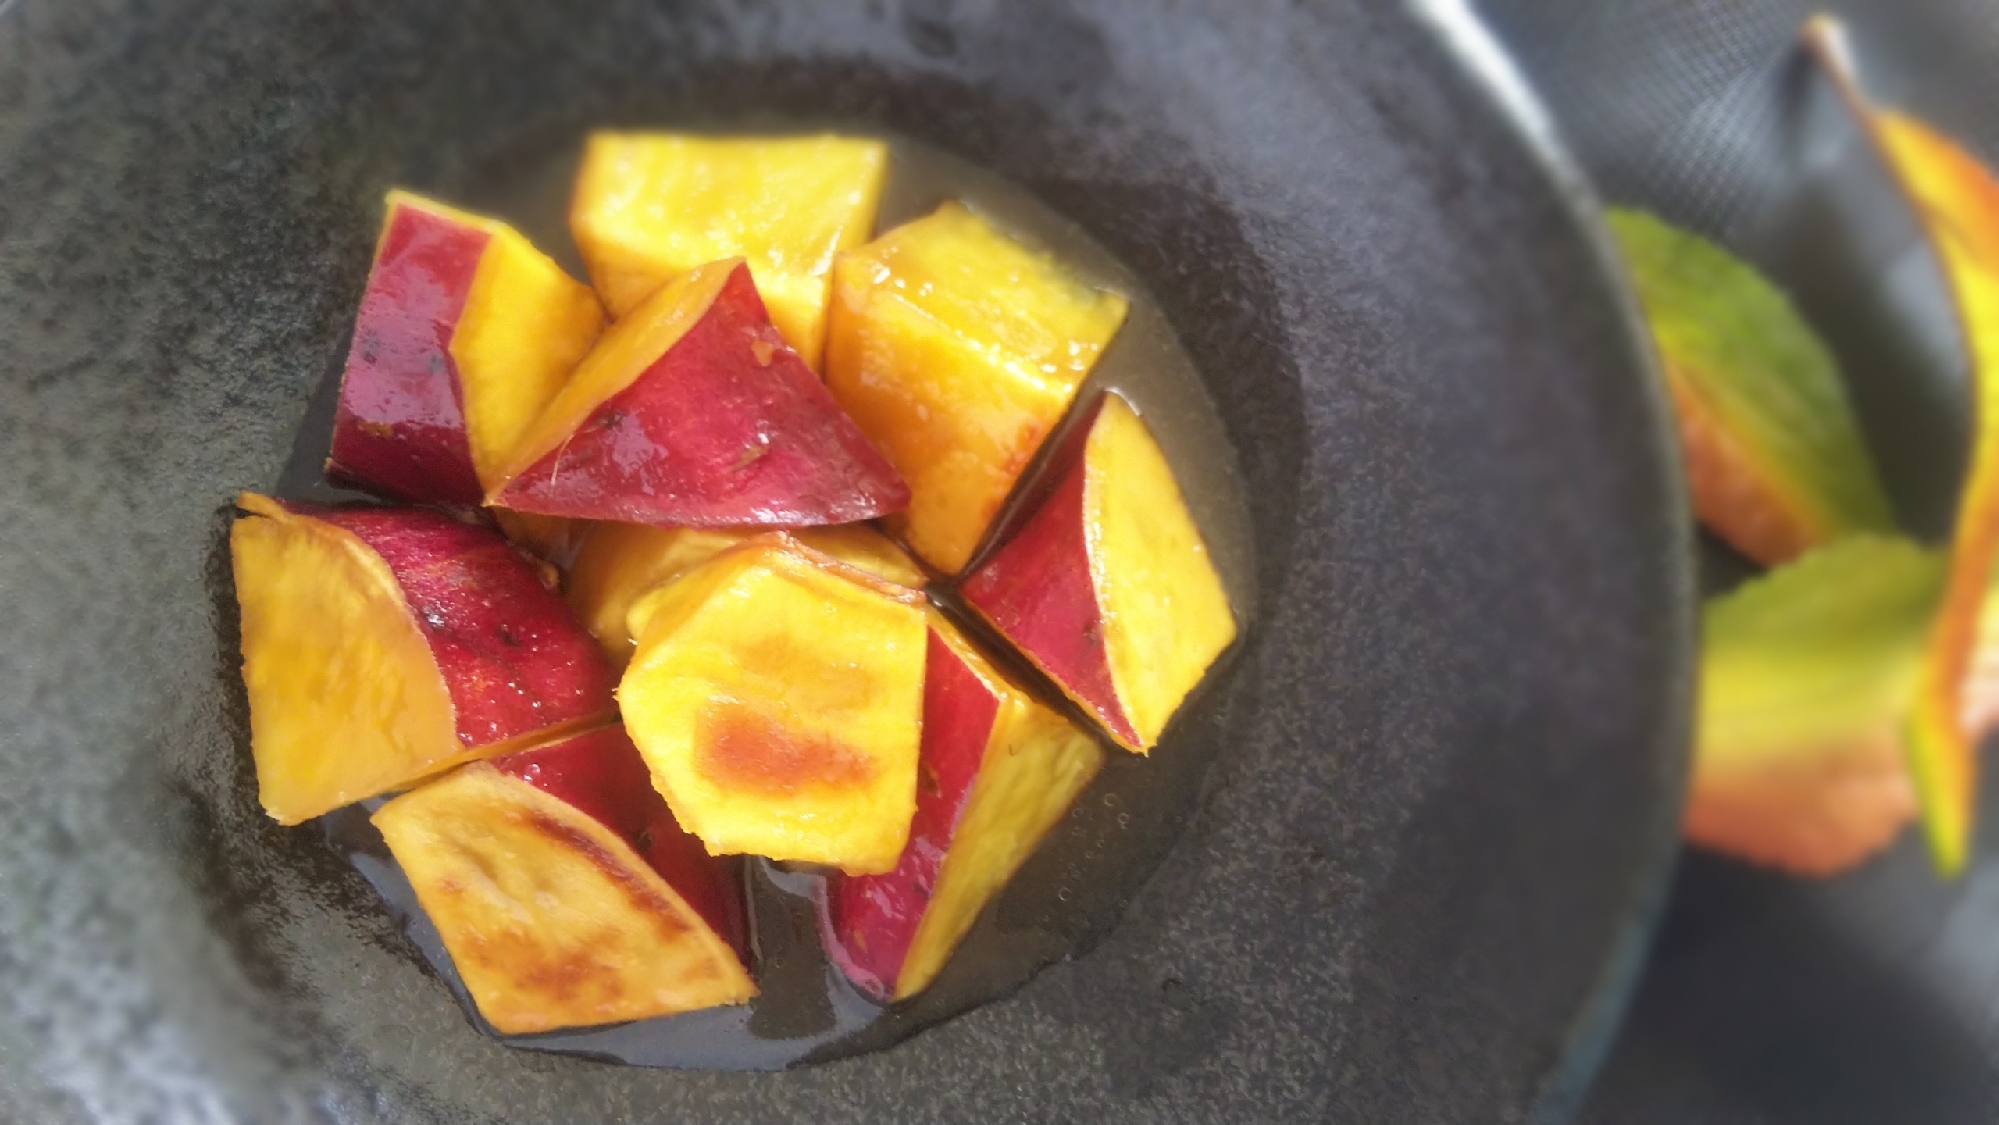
column 345, row 698
column 383, row 645
column 693, row 411
column 998, row 770
column 464, row 334
column 1108, row 586
column 551, row 919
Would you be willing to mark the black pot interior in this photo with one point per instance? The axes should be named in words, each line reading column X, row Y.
column 1447, row 763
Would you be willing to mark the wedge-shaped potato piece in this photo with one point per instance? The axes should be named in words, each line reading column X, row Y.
column 958, row 349
column 621, row 562
column 777, row 695
column 1956, row 200
column 563, row 899
column 1773, row 453
column 1806, row 679
column 466, row 331
column 384, row 645
column 652, row 206
column 1108, row 586
column 691, row 411
column 998, row 771
column 601, row 773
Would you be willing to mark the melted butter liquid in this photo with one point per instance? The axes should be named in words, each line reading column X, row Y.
column 1076, row 885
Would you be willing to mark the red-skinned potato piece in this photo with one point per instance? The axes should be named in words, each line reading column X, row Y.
column 1107, row 587
column 465, row 332
column 564, row 890
column 601, row 773
column 997, row 771
column 383, row 645
column 692, row 411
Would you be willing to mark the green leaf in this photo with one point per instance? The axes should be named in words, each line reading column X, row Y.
column 1816, row 653
column 1734, row 347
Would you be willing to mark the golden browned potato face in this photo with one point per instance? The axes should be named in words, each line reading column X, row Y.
column 551, row 919
column 777, row 695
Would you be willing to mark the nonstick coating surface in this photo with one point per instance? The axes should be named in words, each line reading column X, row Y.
column 1451, row 758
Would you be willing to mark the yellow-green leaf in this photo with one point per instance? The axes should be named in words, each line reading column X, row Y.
column 1806, row 680
column 1773, row 453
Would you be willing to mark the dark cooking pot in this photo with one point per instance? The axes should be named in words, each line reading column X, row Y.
column 1448, row 764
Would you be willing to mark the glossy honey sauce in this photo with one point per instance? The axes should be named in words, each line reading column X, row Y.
column 1076, row 885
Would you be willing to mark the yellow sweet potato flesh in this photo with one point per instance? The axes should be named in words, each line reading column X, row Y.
column 551, row 919
column 525, row 326
column 1165, row 614
column 1036, row 762
column 345, row 698
column 776, row 695
column 957, row 349
column 622, row 562
column 649, row 207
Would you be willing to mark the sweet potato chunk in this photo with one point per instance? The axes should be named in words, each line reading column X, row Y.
column 650, row 207
column 621, row 562
column 691, row 411
column 383, row 645
column 998, row 770
column 776, row 693
column 364, row 710
column 1108, row 586
column 466, row 331
column 552, row 918
column 958, row 349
